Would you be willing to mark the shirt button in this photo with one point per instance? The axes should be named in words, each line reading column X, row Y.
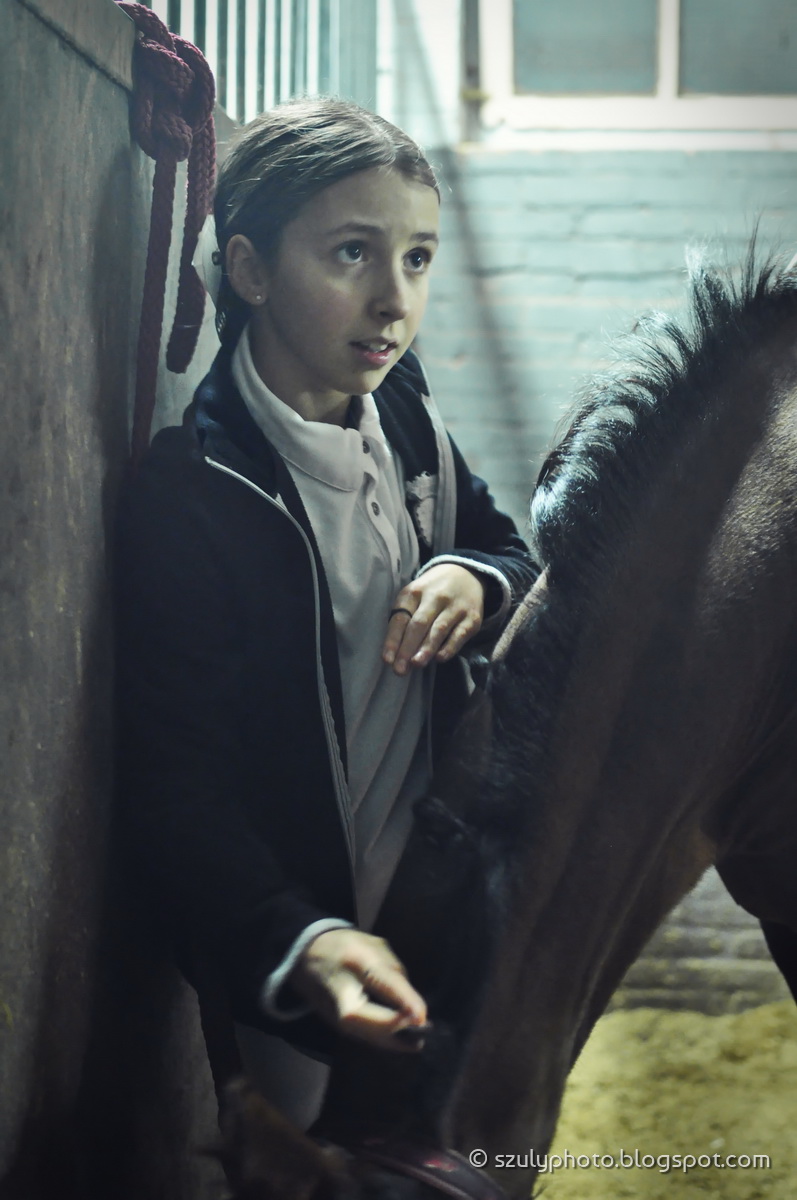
column 375, row 508
column 366, row 447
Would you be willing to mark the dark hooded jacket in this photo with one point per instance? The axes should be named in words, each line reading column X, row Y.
column 232, row 761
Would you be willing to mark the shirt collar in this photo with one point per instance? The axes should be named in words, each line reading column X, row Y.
column 326, row 452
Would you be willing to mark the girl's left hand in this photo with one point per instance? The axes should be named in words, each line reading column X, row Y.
column 433, row 617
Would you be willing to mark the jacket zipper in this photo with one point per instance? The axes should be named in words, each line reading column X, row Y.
column 443, row 524
column 333, row 751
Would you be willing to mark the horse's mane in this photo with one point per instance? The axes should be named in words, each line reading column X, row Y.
column 626, row 437
column 626, row 423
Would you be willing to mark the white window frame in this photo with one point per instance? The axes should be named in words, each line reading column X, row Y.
column 665, row 110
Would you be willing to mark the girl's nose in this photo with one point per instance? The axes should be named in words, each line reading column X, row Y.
column 392, row 298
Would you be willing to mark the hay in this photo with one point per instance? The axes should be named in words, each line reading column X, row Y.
column 669, row 1083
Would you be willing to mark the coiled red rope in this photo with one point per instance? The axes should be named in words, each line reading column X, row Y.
column 172, row 120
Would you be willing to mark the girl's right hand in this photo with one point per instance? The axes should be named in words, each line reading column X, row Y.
column 355, row 982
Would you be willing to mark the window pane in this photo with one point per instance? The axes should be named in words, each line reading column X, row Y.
column 739, row 47
column 605, row 46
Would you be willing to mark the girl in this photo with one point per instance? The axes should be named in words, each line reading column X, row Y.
column 296, row 563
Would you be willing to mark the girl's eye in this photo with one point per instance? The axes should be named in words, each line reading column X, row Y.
column 419, row 259
column 351, row 252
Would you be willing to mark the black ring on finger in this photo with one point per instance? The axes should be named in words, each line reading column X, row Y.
column 406, row 612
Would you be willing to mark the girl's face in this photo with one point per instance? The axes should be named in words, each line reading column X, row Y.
column 346, row 294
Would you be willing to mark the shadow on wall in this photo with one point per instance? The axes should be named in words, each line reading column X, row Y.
column 146, row 1098
column 75, row 796
column 508, row 399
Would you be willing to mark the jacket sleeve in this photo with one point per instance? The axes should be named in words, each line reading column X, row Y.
column 487, row 541
column 208, row 873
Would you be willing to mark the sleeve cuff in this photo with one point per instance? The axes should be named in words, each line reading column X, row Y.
column 492, row 619
column 269, row 995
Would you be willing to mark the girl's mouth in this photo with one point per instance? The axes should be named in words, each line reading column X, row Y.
column 376, row 352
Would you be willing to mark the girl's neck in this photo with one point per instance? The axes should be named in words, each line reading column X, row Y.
column 314, row 408
column 329, row 407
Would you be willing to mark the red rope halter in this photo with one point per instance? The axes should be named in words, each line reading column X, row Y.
column 172, row 120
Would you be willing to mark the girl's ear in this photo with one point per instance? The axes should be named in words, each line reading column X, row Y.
column 246, row 270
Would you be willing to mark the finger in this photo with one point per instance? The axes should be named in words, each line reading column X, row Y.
column 447, row 635
column 399, row 620
column 413, row 1035
column 361, row 1016
column 458, row 637
column 438, row 632
column 417, row 631
column 354, row 1004
column 376, row 971
column 368, row 1025
column 375, row 953
column 393, row 987
column 405, row 608
column 411, row 641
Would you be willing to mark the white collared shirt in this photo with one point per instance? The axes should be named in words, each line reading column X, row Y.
column 351, row 486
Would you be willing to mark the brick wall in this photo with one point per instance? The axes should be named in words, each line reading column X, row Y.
column 709, row 956
column 545, row 256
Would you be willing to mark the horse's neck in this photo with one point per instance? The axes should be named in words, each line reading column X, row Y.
column 672, row 697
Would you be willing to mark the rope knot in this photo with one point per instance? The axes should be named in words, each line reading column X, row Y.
column 172, row 120
column 174, row 87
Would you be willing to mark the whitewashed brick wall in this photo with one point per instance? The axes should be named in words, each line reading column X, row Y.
column 545, row 255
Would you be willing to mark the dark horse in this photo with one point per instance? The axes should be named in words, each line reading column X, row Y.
column 637, row 723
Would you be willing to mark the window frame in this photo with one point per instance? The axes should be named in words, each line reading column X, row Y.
column 666, row 109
